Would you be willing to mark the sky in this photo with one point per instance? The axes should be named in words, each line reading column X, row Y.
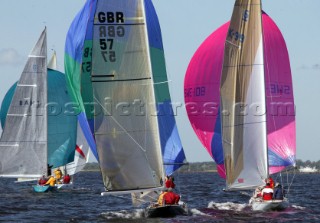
column 185, row 24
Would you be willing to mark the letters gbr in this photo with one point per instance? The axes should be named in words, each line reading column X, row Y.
column 110, row 26
column 107, row 33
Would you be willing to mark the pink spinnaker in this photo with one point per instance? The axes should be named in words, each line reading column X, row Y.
column 202, row 97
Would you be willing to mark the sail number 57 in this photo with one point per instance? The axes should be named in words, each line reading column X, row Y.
column 106, row 45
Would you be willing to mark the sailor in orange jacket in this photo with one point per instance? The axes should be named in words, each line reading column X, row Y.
column 51, row 181
column 161, row 199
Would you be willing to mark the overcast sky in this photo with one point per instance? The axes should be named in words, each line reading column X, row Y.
column 185, row 25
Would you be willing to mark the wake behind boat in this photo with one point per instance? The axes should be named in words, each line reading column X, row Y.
column 166, row 211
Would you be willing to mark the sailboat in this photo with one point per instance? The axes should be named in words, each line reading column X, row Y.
column 61, row 148
column 123, row 78
column 247, row 143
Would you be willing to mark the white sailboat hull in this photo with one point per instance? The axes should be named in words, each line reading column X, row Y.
column 258, row 204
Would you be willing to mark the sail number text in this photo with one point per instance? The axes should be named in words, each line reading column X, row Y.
column 235, row 35
column 194, row 92
column 109, row 32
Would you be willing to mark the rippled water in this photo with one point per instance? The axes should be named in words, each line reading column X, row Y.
column 202, row 191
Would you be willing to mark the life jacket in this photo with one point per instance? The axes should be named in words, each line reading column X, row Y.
column 42, row 181
column 51, row 181
column 171, row 198
column 160, row 199
column 267, row 193
column 66, row 179
column 271, row 182
column 169, row 183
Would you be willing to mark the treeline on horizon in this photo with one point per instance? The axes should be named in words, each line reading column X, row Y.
column 209, row 166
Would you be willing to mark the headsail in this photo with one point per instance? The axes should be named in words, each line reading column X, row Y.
column 76, row 69
column 61, row 125
column 243, row 106
column 202, row 94
column 23, row 143
column 172, row 150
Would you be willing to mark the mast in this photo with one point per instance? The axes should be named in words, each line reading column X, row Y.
column 265, row 96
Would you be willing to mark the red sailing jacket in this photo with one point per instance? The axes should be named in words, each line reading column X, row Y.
column 42, row 181
column 169, row 183
column 171, row 198
column 267, row 193
column 66, row 179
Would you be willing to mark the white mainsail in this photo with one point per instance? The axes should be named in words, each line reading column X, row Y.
column 23, row 143
column 126, row 130
column 243, row 103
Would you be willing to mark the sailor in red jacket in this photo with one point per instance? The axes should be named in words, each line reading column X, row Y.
column 169, row 182
column 42, row 180
column 171, row 198
column 66, row 179
column 267, row 192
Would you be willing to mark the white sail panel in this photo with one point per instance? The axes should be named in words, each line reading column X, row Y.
column 23, row 143
column 243, row 99
column 126, row 128
column 52, row 64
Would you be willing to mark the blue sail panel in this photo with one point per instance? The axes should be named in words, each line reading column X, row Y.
column 172, row 150
column 75, row 40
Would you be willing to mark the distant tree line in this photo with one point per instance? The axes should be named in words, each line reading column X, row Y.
column 208, row 166
column 190, row 167
column 91, row 167
column 199, row 167
column 309, row 163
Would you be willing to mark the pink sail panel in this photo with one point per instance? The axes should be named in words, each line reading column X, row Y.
column 201, row 92
column 280, row 102
column 202, row 96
